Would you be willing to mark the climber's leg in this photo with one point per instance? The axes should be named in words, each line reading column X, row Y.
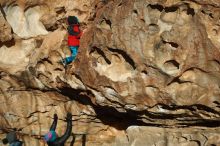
column 68, row 60
column 74, row 51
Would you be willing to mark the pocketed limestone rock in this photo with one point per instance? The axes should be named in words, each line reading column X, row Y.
column 5, row 29
column 146, row 72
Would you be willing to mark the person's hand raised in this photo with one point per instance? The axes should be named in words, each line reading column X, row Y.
column 55, row 116
column 69, row 117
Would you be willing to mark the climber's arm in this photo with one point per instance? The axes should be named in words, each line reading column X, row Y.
column 68, row 132
column 79, row 35
column 54, row 124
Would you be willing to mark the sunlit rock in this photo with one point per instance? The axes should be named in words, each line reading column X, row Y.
column 25, row 23
column 147, row 71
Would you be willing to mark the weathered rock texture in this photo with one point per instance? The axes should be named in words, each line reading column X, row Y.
column 147, row 71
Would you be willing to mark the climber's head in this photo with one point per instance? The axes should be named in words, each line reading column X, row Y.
column 72, row 20
column 50, row 136
column 10, row 138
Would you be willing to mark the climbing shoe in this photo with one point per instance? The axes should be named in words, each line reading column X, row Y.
column 63, row 62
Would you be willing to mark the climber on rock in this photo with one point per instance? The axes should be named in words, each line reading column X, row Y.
column 74, row 35
column 51, row 137
column 12, row 139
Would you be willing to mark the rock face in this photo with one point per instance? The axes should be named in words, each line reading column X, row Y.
column 147, row 71
column 5, row 28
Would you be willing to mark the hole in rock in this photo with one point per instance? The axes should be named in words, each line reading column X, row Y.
column 207, row 13
column 173, row 62
column 120, row 4
column 135, row 11
column 202, row 123
column 108, row 22
column 211, row 15
column 61, row 10
column 142, row 20
column 39, row 43
column 156, row 6
column 127, row 58
column 145, row 72
column 58, row 69
column 203, row 12
column 8, row 44
column 99, row 51
column 52, row 28
column 190, row 11
column 171, row 9
column 58, row 24
column 152, row 24
column 173, row 44
column 216, row 102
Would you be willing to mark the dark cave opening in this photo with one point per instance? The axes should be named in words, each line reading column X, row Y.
column 108, row 115
column 122, row 120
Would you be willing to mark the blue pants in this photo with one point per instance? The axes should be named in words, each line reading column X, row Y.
column 74, row 51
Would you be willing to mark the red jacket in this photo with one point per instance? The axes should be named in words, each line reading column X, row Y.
column 73, row 40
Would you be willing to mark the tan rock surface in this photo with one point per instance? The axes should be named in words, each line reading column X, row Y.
column 5, row 29
column 147, row 72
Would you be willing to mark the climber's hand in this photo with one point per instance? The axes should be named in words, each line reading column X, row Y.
column 55, row 116
column 69, row 117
